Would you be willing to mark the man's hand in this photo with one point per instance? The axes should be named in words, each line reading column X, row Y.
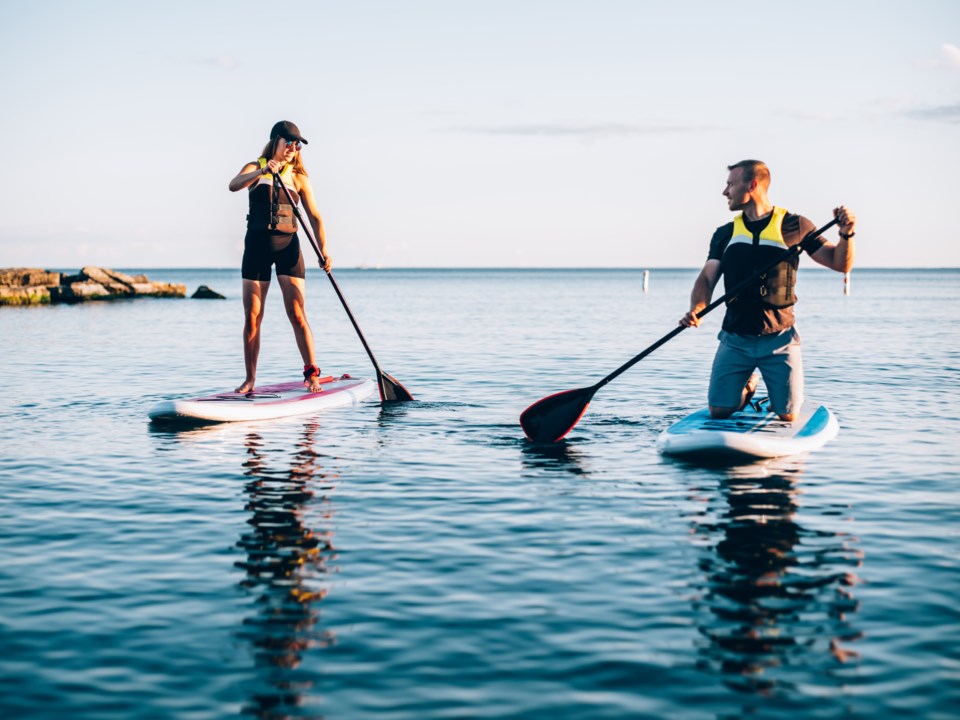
column 691, row 319
column 847, row 219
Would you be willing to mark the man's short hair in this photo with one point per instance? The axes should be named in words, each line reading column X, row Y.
column 753, row 170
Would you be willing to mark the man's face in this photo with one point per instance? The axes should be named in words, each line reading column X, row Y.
column 738, row 190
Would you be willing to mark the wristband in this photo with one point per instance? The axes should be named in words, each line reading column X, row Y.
column 847, row 237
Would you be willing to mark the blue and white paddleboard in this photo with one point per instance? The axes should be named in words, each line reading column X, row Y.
column 748, row 434
column 266, row 402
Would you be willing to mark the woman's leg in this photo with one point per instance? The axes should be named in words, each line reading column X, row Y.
column 254, row 295
column 294, row 298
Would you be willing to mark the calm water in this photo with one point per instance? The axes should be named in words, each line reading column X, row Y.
column 425, row 561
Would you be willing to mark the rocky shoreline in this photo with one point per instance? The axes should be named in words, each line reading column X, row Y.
column 34, row 286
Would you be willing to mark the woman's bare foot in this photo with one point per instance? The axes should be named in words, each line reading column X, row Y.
column 246, row 387
column 311, row 378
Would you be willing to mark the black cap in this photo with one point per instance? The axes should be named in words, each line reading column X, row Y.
column 288, row 131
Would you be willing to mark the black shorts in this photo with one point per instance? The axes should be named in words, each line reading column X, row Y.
column 264, row 248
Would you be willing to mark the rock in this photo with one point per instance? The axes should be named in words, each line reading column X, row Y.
column 28, row 277
column 159, row 289
column 204, row 292
column 124, row 278
column 106, row 278
column 32, row 286
column 79, row 291
column 25, row 295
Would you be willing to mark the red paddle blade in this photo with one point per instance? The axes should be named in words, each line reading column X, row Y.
column 391, row 390
column 551, row 418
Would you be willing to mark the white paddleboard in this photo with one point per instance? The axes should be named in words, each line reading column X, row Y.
column 748, row 434
column 266, row 402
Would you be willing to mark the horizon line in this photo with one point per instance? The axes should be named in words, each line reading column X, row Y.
column 518, row 268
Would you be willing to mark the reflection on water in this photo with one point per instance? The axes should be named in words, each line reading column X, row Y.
column 288, row 556
column 775, row 594
column 393, row 412
column 538, row 457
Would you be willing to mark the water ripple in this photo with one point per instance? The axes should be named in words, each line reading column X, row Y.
column 425, row 560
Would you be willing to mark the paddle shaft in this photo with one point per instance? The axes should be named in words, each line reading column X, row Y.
column 794, row 250
column 323, row 262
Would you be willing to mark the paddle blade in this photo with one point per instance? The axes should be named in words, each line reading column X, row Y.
column 551, row 418
column 391, row 390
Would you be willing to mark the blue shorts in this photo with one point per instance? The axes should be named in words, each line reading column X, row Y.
column 778, row 358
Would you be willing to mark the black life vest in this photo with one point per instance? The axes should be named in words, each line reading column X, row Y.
column 747, row 252
column 269, row 207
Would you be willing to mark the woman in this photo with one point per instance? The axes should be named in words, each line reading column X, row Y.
column 272, row 240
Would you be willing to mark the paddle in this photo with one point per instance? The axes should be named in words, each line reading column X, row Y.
column 551, row 418
column 390, row 388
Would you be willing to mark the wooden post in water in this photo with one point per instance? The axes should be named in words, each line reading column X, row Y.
column 846, row 283
column 646, row 280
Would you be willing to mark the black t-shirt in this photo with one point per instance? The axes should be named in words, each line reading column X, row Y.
column 745, row 318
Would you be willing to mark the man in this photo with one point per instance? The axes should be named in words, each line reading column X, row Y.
column 758, row 331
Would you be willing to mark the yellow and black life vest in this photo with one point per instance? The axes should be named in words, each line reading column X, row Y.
column 269, row 207
column 747, row 252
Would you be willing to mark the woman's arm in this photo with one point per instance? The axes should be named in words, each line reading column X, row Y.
column 313, row 213
column 247, row 176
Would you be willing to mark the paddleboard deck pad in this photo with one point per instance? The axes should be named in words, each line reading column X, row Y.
column 266, row 402
column 752, row 433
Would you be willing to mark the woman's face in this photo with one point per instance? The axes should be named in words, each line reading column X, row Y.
column 286, row 150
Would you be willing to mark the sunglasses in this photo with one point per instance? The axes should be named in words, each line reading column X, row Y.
column 293, row 143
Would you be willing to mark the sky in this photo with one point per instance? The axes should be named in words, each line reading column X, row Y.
column 475, row 133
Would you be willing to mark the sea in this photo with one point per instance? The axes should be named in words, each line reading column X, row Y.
column 424, row 560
